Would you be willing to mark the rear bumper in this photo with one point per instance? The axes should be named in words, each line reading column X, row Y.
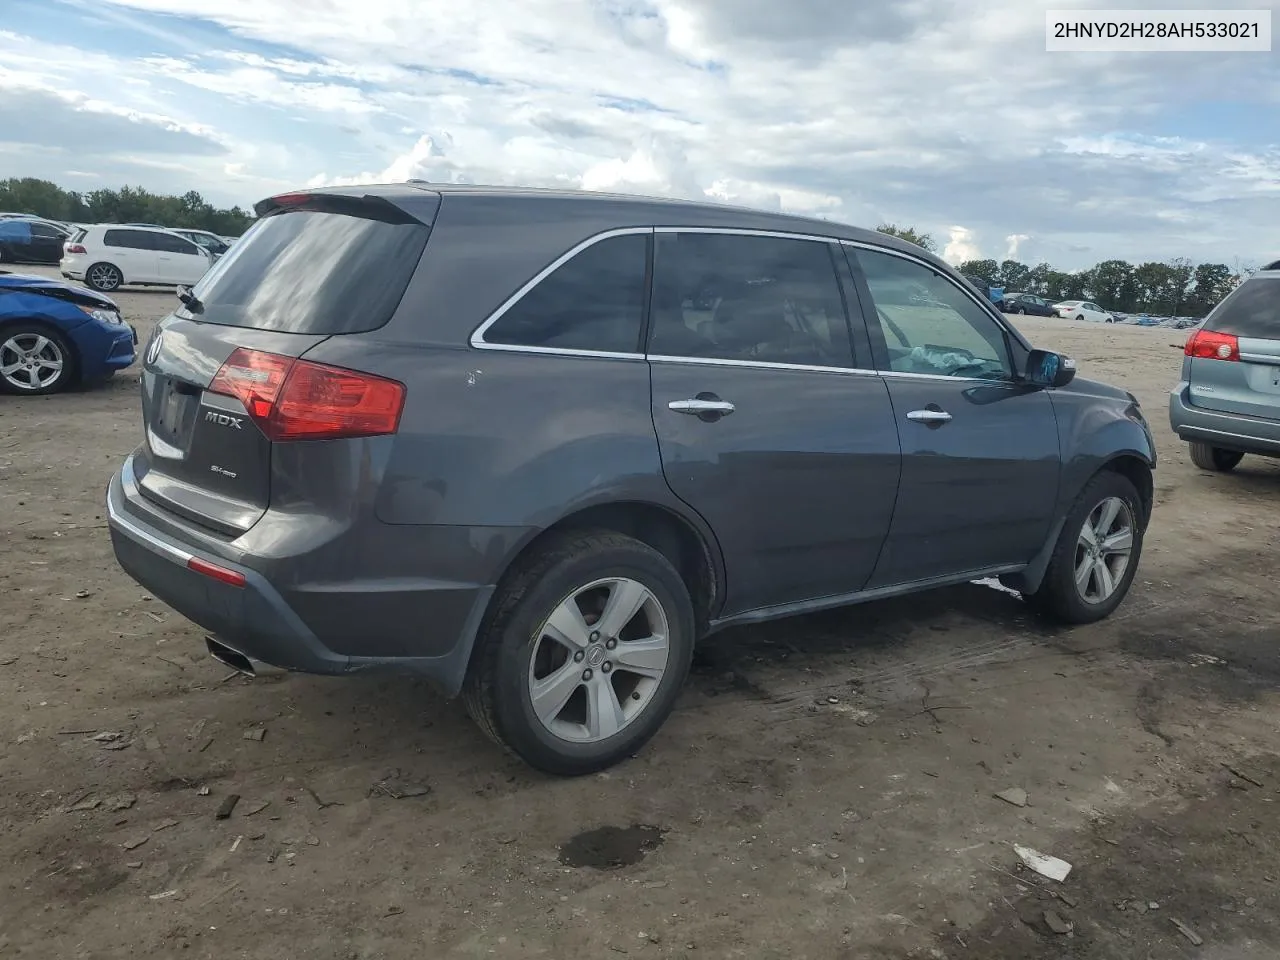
column 263, row 622
column 1228, row 431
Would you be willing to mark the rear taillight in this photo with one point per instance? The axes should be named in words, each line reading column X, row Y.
column 299, row 400
column 1207, row 345
column 74, row 248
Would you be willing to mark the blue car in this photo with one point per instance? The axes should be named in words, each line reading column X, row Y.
column 54, row 335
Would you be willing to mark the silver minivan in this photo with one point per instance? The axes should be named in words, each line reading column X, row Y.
column 1228, row 403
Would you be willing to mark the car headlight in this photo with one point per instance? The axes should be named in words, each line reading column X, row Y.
column 105, row 316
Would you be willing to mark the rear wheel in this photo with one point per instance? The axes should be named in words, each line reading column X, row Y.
column 104, row 276
column 34, row 360
column 1097, row 554
column 1207, row 457
column 1080, row 316
column 584, row 653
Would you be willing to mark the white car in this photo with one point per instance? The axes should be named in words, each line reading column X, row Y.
column 106, row 256
column 1082, row 310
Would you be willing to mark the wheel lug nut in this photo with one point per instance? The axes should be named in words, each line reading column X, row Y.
column 610, row 643
column 587, row 674
column 577, row 657
column 595, row 635
column 636, row 695
column 606, row 666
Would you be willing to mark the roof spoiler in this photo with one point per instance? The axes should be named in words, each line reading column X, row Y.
column 367, row 206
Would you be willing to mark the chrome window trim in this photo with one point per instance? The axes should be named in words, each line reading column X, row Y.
column 759, row 364
column 478, row 342
column 748, row 232
column 477, row 336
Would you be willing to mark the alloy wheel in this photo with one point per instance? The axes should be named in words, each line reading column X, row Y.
column 103, row 276
column 31, row 361
column 598, row 660
column 1103, row 550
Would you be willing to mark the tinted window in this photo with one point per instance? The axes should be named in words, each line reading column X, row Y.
column 764, row 299
column 1253, row 310
column 929, row 324
column 169, row 243
column 135, row 239
column 312, row 271
column 594, row 301
column 46, row 230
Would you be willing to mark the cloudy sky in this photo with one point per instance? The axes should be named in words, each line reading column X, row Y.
column 944, row 114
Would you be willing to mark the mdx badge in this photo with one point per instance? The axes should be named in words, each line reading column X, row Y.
column 223, row 419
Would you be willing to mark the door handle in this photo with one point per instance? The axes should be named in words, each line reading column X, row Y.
column 698, row 406
column 929, row 416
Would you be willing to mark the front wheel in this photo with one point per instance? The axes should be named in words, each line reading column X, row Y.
column 583, row 655
column 1208, row 457
column 1020, row 310
column 34, row 360
column 1097, row 554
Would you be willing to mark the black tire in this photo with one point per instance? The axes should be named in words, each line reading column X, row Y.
column 1080, row 317
column 1058, row 595
column 496, row 691
column 23, row 330
column 104, row 277
column 1020, row 310
column 1208, row 457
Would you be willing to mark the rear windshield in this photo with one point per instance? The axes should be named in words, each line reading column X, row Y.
column 310, row 271
column 1252, row 311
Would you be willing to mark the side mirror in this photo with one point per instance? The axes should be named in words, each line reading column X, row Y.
column 1048, row 369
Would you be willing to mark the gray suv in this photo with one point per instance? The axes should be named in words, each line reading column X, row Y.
column 533, row 445
column 1228, row 402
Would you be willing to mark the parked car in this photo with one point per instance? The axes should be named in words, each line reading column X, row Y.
column 519, row 462
column 203, row 238
column 28, row 240
column 994, row 294
column 54, row 335
column 105, row 256
column 1228, row 401
column 1082, row 310
column 1022, row 303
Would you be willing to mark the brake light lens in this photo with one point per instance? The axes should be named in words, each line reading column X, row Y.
column 74, row 248
column 1207, row 345
column 299, row 400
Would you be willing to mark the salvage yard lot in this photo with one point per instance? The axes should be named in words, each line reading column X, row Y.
column 825, row 788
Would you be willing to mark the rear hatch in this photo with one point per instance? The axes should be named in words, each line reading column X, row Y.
column 1234, row 358
column 223, row 380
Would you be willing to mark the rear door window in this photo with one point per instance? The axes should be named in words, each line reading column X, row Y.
column 594, row 301
column 168, row 243
column 133, row 239
column 314, row 271
column 748, row 298
column 1252, row 311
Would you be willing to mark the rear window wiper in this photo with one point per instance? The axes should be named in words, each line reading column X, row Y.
column 190, row 300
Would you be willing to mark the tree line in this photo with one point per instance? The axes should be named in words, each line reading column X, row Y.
column 1175, row 288
column 126, row 205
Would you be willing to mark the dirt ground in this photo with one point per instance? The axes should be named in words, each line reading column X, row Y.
column 825, row 789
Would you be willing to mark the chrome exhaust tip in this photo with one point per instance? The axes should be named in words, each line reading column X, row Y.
column 234, row 659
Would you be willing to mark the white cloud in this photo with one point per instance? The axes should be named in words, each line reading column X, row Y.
column 864, row 113
column 961, row 246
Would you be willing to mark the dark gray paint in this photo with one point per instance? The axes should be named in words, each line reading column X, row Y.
column 385, row 551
